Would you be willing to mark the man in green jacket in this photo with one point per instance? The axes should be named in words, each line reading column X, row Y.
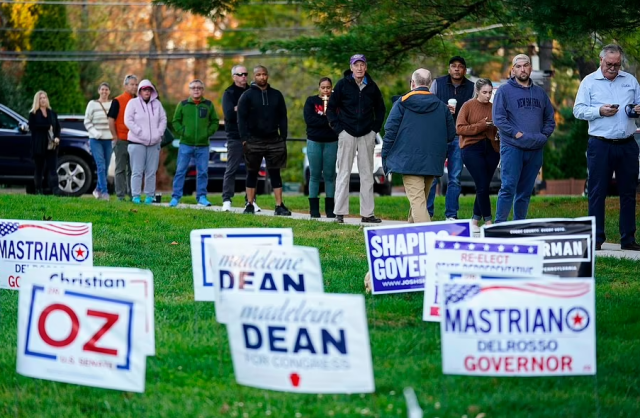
column 194, row 122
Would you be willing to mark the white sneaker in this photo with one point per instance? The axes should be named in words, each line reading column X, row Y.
column 226, row 206
column 452, row 219
column 256, row 207
column 475, row 229
column 96, row 194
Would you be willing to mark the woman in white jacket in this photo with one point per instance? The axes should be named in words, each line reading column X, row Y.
column 146, row 119
column 97, row 124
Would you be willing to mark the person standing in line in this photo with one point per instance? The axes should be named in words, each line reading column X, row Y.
column 45, row 138
column 356, row 112
column 120, row 132
column 263, row 127
column 96, row 120
column 480, row 148
column 454, row 90
column 610, row 100
column 195, row 120
column 235, row 154
column 146, row 119
column 524, row 116
column 322, row 149
column 415, row 142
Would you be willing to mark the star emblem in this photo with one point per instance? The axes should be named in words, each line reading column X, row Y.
column 577, row 319
column 516, row 249
column 79, row 252
column 441, row 244
column 531, row 249
column 486, row 247
column 501, row 248
column 472, row 246
column 456, row 245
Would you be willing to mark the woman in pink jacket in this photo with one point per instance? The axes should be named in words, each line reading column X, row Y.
column 146, row 119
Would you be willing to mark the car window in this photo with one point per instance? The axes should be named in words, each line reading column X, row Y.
column 7, row 122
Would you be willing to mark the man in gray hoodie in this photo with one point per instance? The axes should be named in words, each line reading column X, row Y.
column 524, row 117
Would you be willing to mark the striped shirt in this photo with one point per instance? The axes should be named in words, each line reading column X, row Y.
column 95, row 120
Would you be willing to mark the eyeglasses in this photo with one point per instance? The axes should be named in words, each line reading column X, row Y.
column 241, row 74
column 196, row 88
column 616, row 65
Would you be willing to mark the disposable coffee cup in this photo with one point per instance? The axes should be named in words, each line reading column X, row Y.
column 452, row 102
column 158, row 197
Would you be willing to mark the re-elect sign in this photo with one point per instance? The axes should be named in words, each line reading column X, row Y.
column 263, row 269
column 83, row 336
column 203, row 280
column 537, row 327
column 302, row 342
column 569, row 244
column 480, row 255
column 397, row 255
column 28, row 245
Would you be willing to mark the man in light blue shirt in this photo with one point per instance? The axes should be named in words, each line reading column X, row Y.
column 610, row 99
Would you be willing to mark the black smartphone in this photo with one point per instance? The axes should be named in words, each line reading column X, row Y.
column 615, row 106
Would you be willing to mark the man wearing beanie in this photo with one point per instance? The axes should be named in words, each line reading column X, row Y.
column 524, row 117
column 454, row 86
column 356, row 112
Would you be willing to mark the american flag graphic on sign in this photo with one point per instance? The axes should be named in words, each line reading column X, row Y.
column 455, row 293
column 70, row 230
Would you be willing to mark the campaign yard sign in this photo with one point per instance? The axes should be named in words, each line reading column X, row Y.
column 397, row 255
column 263, row 269
column 569, row 244
column 120, row 280
column 300, row 342
column 203, row 280
column 490, row 256
column 86, row 336
column 28, row 245
column 526, row 327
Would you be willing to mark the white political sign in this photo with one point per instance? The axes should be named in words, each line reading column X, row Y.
column 524, row 327
column 487, row 255
column 121, row 280
column 203, row 281
column 88, row 336
column 27, row 245
column 262, row 269
column 300, row 342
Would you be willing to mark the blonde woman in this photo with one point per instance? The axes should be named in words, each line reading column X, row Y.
column 43, row 124
column 97, row 124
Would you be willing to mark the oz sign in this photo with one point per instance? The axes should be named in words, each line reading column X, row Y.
column 88, row 337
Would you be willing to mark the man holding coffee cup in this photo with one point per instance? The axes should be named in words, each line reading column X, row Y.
column 453, row 90
column 612, row 147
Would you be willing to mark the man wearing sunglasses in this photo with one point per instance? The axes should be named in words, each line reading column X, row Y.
column 610, row 99
column 235, row 153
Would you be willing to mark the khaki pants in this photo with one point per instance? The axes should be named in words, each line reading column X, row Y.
column 347, row 147
column 417, row 189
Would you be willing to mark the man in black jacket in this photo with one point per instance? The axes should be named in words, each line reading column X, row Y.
column 356, row 112
column 234, row 145
column 262, row 124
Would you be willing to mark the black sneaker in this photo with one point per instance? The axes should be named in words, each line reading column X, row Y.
column 371, row 220
column 281, row 210
column 598, row 246
column 249, row 209
column 340, row 219
column 631, row 247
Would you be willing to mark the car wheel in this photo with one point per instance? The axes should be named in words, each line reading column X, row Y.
column 74, row 175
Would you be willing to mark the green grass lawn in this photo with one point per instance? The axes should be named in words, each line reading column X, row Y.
column 192, row 373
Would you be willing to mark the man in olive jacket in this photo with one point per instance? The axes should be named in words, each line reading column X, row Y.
column 194, row 122
column 415, row 142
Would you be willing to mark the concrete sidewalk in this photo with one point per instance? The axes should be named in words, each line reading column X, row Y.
column 608, row 250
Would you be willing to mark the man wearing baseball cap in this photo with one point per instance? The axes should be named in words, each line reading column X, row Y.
column 356, row 112
column 453, row 90
column 524, row 116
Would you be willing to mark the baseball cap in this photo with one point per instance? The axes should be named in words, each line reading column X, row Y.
column 357, row 57
column 520, row 57
column 459, row 59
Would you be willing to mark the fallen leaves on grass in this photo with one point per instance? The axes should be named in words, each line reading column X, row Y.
column 174, row 243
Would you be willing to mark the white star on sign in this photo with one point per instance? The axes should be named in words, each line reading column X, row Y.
column 531, row 250
column 441, row 245
column 501, row 248
column 456, row 245
column 516, row 249
column 472, row 246
column 486, row 247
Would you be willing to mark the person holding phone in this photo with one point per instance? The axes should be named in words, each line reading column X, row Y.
column 612, row 148
column 480, row 148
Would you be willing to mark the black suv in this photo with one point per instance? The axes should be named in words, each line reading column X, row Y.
column 76, row 168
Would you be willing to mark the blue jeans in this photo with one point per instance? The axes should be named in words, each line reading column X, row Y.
column 322, row 163
column 454, row 167
column 201, row 155
column 481, row 160
column 519, row 169
column 603, row 159
column 101, row 152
